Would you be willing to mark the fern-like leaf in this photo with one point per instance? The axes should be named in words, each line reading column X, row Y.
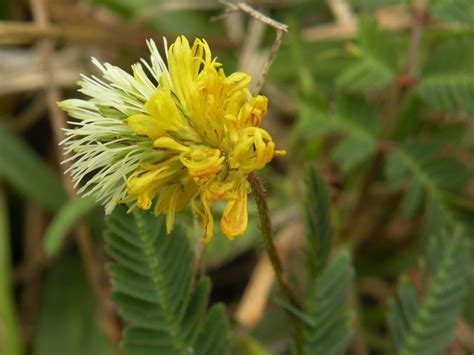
column 153, row 288
column 461, row 11
column 375, row 64
column 329, row 330
column 351, row 116
column 425, row 327
column 325, row 317
column 436, row 178
column 447, row 81
column 318, row 228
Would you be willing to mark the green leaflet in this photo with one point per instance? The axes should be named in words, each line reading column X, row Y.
column 446, row 82
column 352, row 116
column 452, row 92
column 325, row 316
column 318, row 227
column 437, row 177
column 461, row 11
column 375, row 64
column 413, row 198
column 152, row 279
column 425, row 327
column 329, row 332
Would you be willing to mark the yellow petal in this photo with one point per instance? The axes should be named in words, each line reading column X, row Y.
column 235, row 218
column 169, row 143
column 182, row 67
column 174, row 198
column 145, row 125
column 145, row 183
column 167, row 204
column 253, row 150
column 252, row 112
column 206, row 216
column 236, row 82
column 186, row 66
column 162, row 107
column 145, row 198
column 187, row 191
column 202, row 162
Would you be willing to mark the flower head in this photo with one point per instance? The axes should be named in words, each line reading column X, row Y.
column 177, row 133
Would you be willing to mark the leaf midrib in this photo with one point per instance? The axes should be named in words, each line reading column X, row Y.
column 443, row 78
column 430, row 186
column 430, row 301
column 159, row 284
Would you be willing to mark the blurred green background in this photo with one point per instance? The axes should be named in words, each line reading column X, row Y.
column 378, row 94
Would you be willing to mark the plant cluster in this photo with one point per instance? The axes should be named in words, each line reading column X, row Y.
column 367, row 222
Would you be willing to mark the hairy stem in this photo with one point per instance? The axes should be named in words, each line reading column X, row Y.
column 267, row 233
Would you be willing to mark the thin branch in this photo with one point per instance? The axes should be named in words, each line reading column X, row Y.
column 276, row 45
column 25, row 32
column 249, row 10
column 419, row 17
column 279, row 27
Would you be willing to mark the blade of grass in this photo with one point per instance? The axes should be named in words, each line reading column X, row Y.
column 10, row 338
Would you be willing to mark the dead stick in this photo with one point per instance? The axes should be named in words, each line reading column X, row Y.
column 28, row 32
column 279, row 27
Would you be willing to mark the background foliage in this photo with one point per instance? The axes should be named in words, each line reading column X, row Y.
column 373, row 207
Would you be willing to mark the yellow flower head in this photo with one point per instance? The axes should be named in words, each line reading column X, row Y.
column 187, row 134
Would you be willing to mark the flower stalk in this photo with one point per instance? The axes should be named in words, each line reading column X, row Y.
column 267, row 233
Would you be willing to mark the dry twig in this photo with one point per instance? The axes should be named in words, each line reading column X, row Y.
column 25, row 32
column 23, row 70
column 279, row 27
